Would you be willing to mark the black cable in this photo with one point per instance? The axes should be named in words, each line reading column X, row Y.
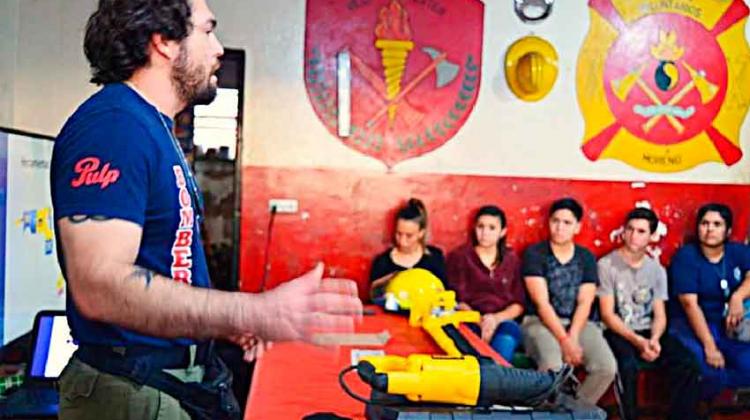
column 266, row 263
column 349, row 391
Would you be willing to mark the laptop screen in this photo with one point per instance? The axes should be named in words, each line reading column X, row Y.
column 53, row 345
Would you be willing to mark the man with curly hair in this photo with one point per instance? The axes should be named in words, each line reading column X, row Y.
column 127, row 215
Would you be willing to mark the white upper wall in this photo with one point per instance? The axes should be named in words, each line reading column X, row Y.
column 51, row 71
column 503, row 135
column 8, row 48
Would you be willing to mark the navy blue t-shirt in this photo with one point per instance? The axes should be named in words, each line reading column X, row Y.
column 691, row 273
column 115, row 157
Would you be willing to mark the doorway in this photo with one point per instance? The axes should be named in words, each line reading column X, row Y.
column 211, row 137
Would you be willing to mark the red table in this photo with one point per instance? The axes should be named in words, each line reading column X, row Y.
column 293, row 380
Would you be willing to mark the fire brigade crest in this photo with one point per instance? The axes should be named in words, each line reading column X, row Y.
column 393, row 79
column 662, row 85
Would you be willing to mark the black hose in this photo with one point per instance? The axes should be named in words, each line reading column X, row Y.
column 349, row 391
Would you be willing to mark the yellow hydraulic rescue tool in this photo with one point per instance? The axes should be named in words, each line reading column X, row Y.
column 455, row 378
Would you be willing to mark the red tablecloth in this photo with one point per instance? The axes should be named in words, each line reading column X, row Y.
column 293, row 380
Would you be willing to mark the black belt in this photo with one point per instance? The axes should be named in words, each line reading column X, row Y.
column 210, row 399
column 158, row 357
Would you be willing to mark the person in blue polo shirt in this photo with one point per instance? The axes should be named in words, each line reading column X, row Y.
column 710, row 280
column 127, row 216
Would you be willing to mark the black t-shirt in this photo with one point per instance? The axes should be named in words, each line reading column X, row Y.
column 432, row 260
column 563, row 280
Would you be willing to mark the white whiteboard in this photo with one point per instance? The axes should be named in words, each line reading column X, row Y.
column 33, row 280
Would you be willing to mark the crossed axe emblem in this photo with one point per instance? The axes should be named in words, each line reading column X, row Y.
column 707, row 91
column 727, row 147
column 445, row 72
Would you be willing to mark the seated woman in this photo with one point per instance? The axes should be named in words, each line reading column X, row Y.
column 710, row 280
column 409, row 251
column 486, row 276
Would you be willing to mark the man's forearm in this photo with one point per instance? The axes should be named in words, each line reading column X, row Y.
column 584, row 300
column 552, row 321
column 130, row 297
column 743, row 292
column 580, row 317
column 616, row 324
column 658, row 326
column 698, row 322
column 512, row 311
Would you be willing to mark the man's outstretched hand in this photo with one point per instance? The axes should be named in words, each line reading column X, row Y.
column 309, row 304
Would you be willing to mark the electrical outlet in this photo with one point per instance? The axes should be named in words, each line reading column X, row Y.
column 284, row 205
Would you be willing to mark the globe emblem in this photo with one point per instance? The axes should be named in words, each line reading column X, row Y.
column 666, row 76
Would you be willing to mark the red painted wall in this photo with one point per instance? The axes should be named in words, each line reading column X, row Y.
column 346, row 216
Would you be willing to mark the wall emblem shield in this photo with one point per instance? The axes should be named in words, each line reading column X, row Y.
column 415, row 71
column 662, row 85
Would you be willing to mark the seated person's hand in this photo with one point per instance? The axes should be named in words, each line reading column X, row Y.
column 463, row 307
column 489, row 324
column 645, row 350
column 714, row 358
column 649, row 355
column 571, row 350
column 655, row 346
column 736, row 312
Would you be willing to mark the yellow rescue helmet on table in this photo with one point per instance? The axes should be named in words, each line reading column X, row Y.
column 531, row 68
column 410, row 285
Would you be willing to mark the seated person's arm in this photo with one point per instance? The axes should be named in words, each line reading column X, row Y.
column 534, row 278
column 659, row 323
column 512, row 311
column 439, row 268
column 584, row 300
column 586, row 295
column 457, row 279
column 537, row 288
column 689, row 302
column 737, row 303
column 743, row 292
column 377, row 287
column 516, row 308
column 606, row 295
column 616, row 324
column 380, row 274
column 571, row 350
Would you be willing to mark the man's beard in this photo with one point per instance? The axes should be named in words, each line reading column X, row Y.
column 192, row 85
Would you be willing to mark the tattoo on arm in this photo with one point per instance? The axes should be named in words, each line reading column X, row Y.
column 140, row 273
column 80, row 218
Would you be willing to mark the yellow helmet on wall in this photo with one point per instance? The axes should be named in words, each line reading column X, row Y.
column 409, row 285
column 531, row 68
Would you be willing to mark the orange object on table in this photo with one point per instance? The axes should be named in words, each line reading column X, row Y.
column 293, row 380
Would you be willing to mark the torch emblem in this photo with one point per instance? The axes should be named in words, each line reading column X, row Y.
column 393, row 79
